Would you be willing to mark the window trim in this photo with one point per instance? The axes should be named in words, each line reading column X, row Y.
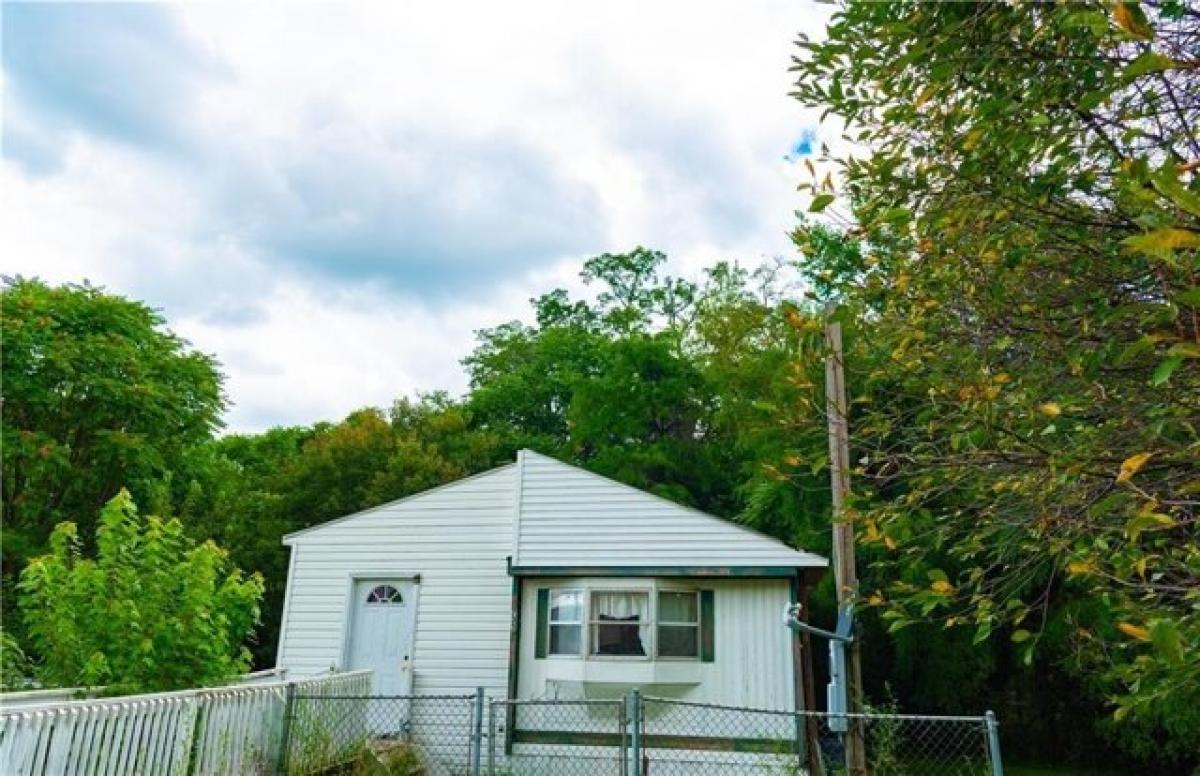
column 581, row 623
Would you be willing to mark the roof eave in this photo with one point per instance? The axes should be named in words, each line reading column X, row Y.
column 697, row 571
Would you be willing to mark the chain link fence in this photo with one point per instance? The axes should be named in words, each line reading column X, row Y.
column 697, row 738
column 469, row 735
column 400, row 735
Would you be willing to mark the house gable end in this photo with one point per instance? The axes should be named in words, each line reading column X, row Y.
column 482, row 486
column 569, row 517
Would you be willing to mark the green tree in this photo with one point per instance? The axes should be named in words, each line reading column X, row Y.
column 644, row 419
column 1024, row 182
column 152, row 611
column 16, row 672
column 523, row 377
column 612, row 384
column 98, row 395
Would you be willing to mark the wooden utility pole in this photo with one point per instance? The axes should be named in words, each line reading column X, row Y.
column 845, row 574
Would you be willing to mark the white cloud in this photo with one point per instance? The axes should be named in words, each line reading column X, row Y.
column 311, row 357
column 342, row 193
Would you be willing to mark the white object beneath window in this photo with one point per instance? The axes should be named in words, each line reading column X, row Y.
column 631, row 673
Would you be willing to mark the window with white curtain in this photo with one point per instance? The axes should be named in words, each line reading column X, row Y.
column 620, row 623
column 566, row 622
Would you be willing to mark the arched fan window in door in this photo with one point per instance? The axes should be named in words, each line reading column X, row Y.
column 384, row 594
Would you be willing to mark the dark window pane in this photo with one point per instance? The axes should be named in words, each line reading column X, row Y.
column 618, row 636
column 678, row 641
column 384, row 594
column 564, row 639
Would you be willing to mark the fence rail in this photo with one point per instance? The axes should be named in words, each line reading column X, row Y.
column 36, row 699
column 224, row 730
column 333, row 724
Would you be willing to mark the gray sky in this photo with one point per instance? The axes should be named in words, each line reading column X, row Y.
column 331, row 198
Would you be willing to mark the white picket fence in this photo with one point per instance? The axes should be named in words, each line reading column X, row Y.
column 224, row 730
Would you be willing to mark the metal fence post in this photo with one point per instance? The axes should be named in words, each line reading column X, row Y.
column 491, row 738
column 635, row 738
column 993, row 735
column 285, row 735
column 623, row 737
column 477, row 733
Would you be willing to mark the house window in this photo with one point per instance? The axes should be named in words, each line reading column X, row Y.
column 620, row 623
column 384, row 594
column 566, row 622
column 678, row 624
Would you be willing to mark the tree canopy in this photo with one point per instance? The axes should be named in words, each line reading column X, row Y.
column 1022, row 180
column 98, row 396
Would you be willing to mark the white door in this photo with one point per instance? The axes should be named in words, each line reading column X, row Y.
column 381, row 637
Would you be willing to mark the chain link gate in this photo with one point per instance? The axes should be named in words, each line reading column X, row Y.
column 573, row 738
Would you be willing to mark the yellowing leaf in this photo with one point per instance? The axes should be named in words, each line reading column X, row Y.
column 875, row 600
column 1050, row 409
column 1185, row 350
column 1130, row 18
column 872, row 533
column 1020, row 635
column 1165, row 239
column 924, row 96
column 941, row 586
column 1148, row 521
column 1134, row 631
column 1131, row 465
column 889, row 542
column 1079, row 567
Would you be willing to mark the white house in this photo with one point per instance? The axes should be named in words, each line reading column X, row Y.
column 542, row 580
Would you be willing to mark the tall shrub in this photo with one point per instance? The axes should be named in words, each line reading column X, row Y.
column 152, row 611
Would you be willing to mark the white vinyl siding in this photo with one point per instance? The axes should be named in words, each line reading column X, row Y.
column 457, row 539
column 570, row 517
